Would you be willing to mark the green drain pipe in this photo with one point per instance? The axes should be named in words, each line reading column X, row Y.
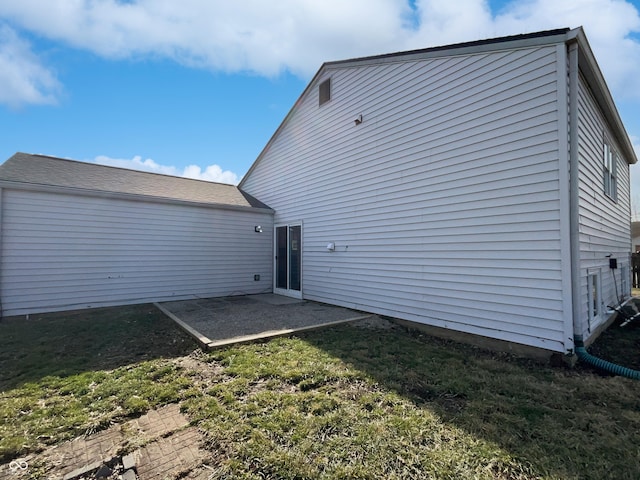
column 603, row 364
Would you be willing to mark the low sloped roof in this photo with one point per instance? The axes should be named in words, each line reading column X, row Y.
column 41, row 170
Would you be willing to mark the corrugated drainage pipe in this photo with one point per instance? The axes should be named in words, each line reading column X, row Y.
column 603, row 364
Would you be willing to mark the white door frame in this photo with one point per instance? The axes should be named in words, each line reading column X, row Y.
column 288, row 291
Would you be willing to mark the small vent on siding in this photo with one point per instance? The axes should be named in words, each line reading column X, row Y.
column 324, row 91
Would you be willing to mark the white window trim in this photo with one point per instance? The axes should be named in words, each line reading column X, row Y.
column 287, row 291
column 595, row 314
column 609, row 170
column 625, row 280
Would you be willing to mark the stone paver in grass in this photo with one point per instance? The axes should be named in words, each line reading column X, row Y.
column 103, row 446
column 168, row 450
column 201, row 472
column 169, row 457
column 158, row 423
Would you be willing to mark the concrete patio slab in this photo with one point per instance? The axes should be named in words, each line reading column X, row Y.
column 215, row 322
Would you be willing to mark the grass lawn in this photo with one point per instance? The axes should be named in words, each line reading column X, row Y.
column 67, row 374
column 340, row 403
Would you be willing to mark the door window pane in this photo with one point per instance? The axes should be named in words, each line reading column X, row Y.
column 281, row 257
column 295, row 256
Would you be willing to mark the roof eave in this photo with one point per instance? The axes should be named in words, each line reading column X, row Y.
column 593, row 75
column 465, row 48
column 11, row 184
column 282, row 124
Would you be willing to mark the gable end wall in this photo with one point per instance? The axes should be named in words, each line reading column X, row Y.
column 444, row 204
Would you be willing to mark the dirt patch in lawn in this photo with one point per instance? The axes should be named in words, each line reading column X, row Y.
column 620, row 345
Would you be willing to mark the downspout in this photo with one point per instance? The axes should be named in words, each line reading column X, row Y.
column 574, row 191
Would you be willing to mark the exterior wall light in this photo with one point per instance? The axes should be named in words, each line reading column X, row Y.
column 257, row 229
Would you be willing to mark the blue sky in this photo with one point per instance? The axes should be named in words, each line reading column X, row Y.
column 197, row 87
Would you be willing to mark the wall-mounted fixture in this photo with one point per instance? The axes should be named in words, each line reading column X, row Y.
column 358, row 119
column 257, row 229
column 331, row 246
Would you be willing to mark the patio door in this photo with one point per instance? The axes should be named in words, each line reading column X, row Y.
column 288, row 260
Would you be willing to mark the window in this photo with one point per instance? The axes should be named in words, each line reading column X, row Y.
column 593, row 296
column 609, row 170
column 624, row 281
column 324, row 91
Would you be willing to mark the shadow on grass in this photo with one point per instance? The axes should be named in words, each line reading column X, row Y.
column 67, row 343
column 619, row 345
column 554, row 422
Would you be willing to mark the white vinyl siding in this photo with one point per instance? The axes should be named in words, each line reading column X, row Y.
column 444, row 204
column 604, row 222
column 63, row 252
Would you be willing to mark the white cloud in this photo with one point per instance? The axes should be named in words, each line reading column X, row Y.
column 212, row 173
column 23, row 79
column 609, row 24
column 442, row 23
column 297, row 35
column 254, row 35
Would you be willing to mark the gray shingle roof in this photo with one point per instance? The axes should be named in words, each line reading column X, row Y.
column 51, row 171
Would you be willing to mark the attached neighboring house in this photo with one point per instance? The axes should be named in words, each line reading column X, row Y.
column 437, row 186
column 479, row 188
column 635, row 237
column 77, row 235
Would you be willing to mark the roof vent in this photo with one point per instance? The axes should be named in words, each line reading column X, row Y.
column 324, row 91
